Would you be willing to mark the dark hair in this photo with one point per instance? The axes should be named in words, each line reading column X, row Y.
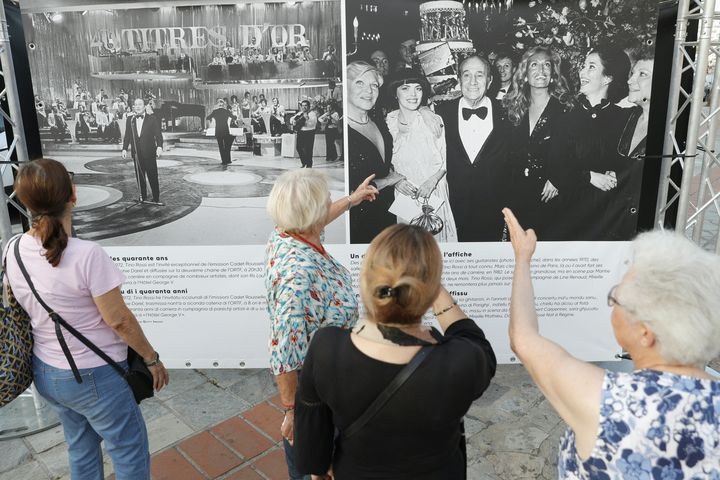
column 616, row 65
column 401, row 273
column 45, row 188
column 304, row 102
column 405, row 76
column 233, row 97
column 517, row 101
column 643, row 52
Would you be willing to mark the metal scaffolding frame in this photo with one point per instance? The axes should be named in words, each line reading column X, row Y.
column 697, row 197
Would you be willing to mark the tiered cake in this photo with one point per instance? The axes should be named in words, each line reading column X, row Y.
column 443, row 21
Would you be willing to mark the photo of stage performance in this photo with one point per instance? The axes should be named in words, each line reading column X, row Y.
column 177, row 120
column 541, row 106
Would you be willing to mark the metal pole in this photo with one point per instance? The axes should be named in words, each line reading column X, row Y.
column 29, row 413
column 696, row 106
column 672, row 110
column 710, row 156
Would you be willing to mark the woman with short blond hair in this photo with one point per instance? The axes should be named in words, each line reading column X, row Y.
column 306, row 287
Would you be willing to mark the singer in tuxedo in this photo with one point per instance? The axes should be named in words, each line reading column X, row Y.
column 476, row 135
column 144, row 137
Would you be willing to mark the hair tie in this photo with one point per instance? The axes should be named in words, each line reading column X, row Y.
column 386, row 292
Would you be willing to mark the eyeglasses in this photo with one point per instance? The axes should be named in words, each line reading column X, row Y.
column 72, row 175
column 612, row 300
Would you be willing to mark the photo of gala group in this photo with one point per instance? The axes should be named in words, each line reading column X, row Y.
column 461, row 109
column 177, row 120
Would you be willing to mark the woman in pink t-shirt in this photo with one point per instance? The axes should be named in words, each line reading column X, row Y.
column 79, row 281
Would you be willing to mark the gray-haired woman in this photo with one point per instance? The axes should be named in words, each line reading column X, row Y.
column 661, row 420
column 306, row 287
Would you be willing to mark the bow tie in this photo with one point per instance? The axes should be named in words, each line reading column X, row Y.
column 139, row 117
column 469, row 112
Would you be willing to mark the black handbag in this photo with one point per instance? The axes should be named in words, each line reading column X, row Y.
column 16, row 346
column 137, row 375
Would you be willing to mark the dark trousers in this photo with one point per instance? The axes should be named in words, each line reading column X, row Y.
column 225, row 144
column 305, row 144
column 148, row 167
column 331, row 134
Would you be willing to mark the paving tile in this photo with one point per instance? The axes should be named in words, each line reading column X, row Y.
column 181, row 380
column 517, row 466
column 209, row 454
column 267, row 418
column 255, row 388
column 46, row 440
column 55, row 460
column 206, row 405
column 15, row 453
column 28, row 471
column 273, row 465
column 153, row 408
column 242, row 437
column 170, row 465
column 224, row 377
column 245, row 473
column 166, row 430
column 275, row 400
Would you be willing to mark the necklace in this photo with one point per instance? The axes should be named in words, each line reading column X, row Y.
column 318, row 248
column 359, row 123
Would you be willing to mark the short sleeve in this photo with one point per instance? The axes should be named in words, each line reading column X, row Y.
column 484, row 357
column 100, row 272
column 296, row 303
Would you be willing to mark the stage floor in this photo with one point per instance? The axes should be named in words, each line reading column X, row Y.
column 204, row 202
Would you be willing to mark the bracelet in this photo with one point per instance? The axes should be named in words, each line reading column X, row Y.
column 153, row 362
column 288, row 408
column 350, row 205
column 446, row 309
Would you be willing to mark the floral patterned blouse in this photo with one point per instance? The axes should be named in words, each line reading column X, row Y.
column 653, row 425
column 306, row 290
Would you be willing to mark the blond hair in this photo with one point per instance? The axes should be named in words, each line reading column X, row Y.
column 298, row 201
column 401, row 274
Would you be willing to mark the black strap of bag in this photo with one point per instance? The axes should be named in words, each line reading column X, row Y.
column 58, row 320
column 386, row 394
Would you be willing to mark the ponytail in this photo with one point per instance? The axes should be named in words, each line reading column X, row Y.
column 401, row 275
column 45, row 188
column 53, row 237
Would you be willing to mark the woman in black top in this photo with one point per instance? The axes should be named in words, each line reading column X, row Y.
column 584, row 164
column 537, row 100
column 622, row 214
column 222, row 117
column 370, row 152
column 417, row 433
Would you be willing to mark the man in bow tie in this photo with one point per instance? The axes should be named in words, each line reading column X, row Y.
column 506, row 69
column 476, row 135
column 144, row 136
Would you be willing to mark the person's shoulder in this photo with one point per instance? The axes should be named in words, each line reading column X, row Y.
column 331, row 334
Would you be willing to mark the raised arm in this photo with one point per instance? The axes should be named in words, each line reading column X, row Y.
column 364, row 192
column 570, row 385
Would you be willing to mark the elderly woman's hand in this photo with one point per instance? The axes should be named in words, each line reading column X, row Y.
column 549, row 192
column 364, row 191
column 523, row 241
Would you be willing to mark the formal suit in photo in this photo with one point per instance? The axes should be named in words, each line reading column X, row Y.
column 477, row 187
column 143, row 145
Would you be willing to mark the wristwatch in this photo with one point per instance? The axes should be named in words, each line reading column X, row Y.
column 153, row 362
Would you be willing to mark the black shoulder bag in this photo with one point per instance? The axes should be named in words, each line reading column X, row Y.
column 386, row 394
column 137, row 375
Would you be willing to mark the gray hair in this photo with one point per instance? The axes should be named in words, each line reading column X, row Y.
column 298, row 201
column 674, row 287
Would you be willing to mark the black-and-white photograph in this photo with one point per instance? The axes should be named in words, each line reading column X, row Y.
column 176, row 121
column 463, row 108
